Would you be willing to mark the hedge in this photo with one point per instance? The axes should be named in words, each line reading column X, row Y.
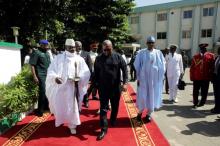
column 19, row 95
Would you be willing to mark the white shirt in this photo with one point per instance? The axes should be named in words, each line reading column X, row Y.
column 174, row 64
column 93, row 56
column 26, row 59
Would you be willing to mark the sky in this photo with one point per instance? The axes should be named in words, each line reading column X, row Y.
column 140, row 3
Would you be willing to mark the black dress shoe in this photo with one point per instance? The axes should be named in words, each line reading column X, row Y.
column 200, row 105
column 113, row 123
column 39, row 114
column 148, row 118
column 139, row 117
column 95, row 98
column 101, row 135
column 86, row 104
column 214, row 111
column 194, row 106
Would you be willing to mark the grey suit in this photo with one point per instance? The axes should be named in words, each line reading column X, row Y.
column 85, row 55
column 216, row 84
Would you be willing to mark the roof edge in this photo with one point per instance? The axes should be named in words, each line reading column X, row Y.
column 10, row 45
column 170, row 5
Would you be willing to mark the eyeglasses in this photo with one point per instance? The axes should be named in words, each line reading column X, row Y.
column 150, row 42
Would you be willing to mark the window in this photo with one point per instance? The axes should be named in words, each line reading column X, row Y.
column 162, row 17
column 161, row 35
column 186, row 34
column 134, row 20
column 187, row 14
column 206, row 33
column 208, row 11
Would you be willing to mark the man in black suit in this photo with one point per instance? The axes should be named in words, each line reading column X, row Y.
column 216, row 84
column 107, row 77
column 86, row 56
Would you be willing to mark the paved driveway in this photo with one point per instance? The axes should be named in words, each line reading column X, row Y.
column 184, row 126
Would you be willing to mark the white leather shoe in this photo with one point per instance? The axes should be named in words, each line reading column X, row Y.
column 72, row 130
column 176, row 100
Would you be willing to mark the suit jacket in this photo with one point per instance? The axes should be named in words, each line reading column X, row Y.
column 85, row 55
column 217, row 68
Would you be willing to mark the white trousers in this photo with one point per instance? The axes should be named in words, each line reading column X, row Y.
column 173, row 82
column 72, row 126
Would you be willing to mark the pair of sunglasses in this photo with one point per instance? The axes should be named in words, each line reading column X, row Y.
column 106, row 50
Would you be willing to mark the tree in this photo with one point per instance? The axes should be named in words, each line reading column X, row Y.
column 104, row 19
column 83, row 20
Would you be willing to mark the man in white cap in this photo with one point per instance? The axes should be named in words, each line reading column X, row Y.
column 66, row 84
column 174, row 66
column 150, row 69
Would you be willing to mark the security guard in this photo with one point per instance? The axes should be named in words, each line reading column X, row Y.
column 39, row 62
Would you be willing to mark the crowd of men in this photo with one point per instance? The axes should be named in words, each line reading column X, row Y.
column 67, row 80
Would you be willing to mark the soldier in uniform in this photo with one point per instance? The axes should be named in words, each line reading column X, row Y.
column 40, row 61
column 201, row 73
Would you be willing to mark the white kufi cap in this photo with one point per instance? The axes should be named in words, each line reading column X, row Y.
column 70, row 42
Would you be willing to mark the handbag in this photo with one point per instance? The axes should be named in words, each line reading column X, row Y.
column 181, row 84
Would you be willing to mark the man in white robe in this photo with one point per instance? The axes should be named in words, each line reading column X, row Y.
column 150, row 69
column 61, row 89
column 174, row 65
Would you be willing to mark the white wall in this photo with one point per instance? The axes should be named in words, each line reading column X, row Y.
column 10, row 63
column 147, row 27
column 185, row 44
column 196, row 30
column 174, row 26
column 217, row 23
column 161, row 44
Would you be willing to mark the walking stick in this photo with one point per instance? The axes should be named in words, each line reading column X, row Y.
column 76, row 81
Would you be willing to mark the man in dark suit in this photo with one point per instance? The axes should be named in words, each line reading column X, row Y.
column 216, row 84
column 86, row 56
column 107, row 76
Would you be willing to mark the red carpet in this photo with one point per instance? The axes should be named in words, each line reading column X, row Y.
column 42, row 131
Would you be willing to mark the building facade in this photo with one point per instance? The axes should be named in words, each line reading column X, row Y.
column 186, row 23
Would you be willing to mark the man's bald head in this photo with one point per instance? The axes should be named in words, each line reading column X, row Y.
column 107, row 42
column 78, row 46
column 107, row 47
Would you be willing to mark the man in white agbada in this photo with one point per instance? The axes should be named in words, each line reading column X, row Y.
column 174, row 65
column 150, row 68
column 61, row 88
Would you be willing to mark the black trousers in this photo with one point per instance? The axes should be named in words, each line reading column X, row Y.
column 216, row 85
column 132, row 73
column 104, row 97
column 92, row 89
column 42, row 99
column 204, row 86
column 166, row 84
